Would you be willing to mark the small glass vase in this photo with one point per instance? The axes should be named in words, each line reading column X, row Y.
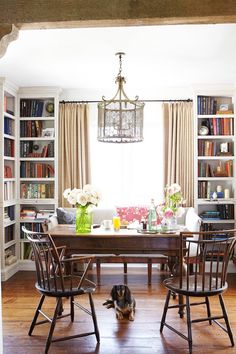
column 83, row 220
column 169, row 224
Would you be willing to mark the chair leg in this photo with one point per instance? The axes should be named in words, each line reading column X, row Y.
column 98, row 269
column 53, row 323
column 189, row 324
column 36, row 315
column 162, row 266
column 226, row 320
column 72, row 309
column 149, row 271
column 94, row 318
column 163, row 320
column 208, row 309
column 125, row 268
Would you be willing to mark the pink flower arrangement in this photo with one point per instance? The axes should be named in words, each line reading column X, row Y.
column 172, row 206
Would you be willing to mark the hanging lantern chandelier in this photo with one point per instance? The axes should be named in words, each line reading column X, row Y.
column 120, row 120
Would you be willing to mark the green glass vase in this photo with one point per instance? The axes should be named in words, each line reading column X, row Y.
column 83, row 220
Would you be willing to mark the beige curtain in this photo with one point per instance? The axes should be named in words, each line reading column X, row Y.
column 178, row 147
column 74, row 159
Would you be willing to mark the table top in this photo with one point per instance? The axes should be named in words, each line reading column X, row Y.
column 69, row 230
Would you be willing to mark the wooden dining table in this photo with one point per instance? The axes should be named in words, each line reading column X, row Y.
column 124, row 241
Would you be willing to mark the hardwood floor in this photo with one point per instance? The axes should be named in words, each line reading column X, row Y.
column 117, row 337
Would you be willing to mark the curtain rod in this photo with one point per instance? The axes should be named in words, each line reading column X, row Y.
column 180, row 100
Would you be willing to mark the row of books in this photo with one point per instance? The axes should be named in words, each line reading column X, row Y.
column 210, row 215
column 31, row 128
column 9, row 147
column 206, row 105
column 225, row 169
column 8, row 172
column 219, row 126
column 9, row 233
column 222, row 212
column 212, row 148
column 37, row 190
column 26, row 251
column 214, row 227
column 31, row 108
column 39, row 170
column 226, row 211
column 9, row 190
column 9, row 213
column 32, row 226
column 204, row 188
column 27, row 149
column 32, row 213
column 6, row 106
column 8, row 126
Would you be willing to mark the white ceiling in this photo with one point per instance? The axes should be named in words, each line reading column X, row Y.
column 156, row 56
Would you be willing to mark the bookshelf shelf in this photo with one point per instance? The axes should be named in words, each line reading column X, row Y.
column 31, row 221
column 7, row 136
column 216, row 178
column 9, row 158
column 226, row 158
column 218, row 201
column 9, row 244
column 38, row 201
column 8, row 115
column 214, row 147
column 8, row 203
column 37, row 118
column 201, row 116
column 33, row 179
column 37, row 139
column 212, row 221
column 8, row 223
column 37, row 159
column 224, row 137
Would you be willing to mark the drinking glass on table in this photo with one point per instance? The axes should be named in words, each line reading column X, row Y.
column 116, row 223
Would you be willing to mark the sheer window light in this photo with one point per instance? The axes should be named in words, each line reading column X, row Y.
column 129, row 174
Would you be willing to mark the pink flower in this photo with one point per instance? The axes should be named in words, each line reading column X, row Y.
column 168, row 214
column 174, row 188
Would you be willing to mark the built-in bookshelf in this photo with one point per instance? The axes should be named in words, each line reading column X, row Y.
column 28, row 173
column 8, row 177
column 215, row 158
column 37, row 188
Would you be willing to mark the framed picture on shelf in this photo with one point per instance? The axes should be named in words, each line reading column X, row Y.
column 48, row 132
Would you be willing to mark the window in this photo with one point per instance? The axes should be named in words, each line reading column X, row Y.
column 129, row 174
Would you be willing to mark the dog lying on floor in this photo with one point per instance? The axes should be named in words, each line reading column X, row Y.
column 123, row 302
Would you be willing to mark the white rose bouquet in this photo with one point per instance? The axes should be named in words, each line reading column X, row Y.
column 82, row 197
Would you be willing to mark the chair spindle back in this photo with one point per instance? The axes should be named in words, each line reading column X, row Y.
column 206, row 268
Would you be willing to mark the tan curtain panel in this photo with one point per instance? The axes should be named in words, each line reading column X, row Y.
column 74, row 160
column 178, row 147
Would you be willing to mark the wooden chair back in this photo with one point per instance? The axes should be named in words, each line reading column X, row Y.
column 49, row 269
column 213, row 251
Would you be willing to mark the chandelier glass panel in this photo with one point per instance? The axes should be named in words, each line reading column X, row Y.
column 120, row 120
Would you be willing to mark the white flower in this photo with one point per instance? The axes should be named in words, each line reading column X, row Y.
column 66, row 193
column 71, row 199
column 85, row 197
column 82, row 199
